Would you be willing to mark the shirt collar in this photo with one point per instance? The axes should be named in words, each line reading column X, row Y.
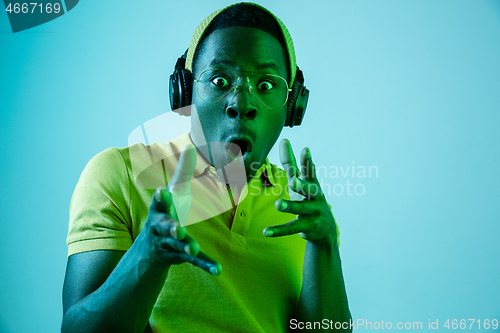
column 266, row 174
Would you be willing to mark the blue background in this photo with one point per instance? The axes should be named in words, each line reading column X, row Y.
column 411, row 87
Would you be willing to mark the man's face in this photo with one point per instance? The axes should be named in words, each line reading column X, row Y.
column 239, row 118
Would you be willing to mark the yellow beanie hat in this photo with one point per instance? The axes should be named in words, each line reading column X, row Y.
column 200, row 30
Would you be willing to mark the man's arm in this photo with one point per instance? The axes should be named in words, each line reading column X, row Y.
column 115, row 291
column 105, row 294
column 84, row 277
column 323, row 294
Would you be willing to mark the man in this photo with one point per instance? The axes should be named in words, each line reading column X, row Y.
column 134, row 270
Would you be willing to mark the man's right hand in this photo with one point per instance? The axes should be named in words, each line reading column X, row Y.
column 165, row 239
column 102, row 288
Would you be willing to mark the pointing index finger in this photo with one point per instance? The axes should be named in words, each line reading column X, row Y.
column 308, row 169
column 287, row 159
column 179, row 186
column 185, row 168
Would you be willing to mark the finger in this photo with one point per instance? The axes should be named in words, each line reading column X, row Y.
column 182, row 204
column 188, row 245
column 308, row 169
column 203, row 261
column 296, row 207
column 168, row 227
column 287, row 159
column 290, row 228
column 185, row 167
column 308, row 189
column 179, row 186
column 162, row 200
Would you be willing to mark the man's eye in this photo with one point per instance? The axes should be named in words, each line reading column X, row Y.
column 265, row 85
column 220, row 81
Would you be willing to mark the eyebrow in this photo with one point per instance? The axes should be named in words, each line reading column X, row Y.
column 270, row 65
column 265, row 65
column 218, row 61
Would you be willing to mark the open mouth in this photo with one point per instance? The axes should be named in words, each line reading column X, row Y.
column 240, row 144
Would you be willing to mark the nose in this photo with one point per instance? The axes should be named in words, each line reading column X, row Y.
column 242, row 103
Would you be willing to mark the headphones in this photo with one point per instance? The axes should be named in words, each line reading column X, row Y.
column 181, row 91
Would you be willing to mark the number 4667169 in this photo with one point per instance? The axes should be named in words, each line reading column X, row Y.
column 462, row 324
column 31, row 7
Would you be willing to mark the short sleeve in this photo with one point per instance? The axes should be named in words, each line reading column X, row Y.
column 99, row 210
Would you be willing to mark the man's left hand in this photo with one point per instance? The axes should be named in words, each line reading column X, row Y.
column 315, row 221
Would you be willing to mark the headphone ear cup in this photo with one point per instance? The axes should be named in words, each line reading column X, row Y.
column 181, row 87
column 175, row 91
column 290, row 108
column 300, row 105
column 187, row 90
column 297, row 103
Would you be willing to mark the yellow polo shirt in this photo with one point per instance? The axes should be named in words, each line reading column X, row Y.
column 262, row 277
